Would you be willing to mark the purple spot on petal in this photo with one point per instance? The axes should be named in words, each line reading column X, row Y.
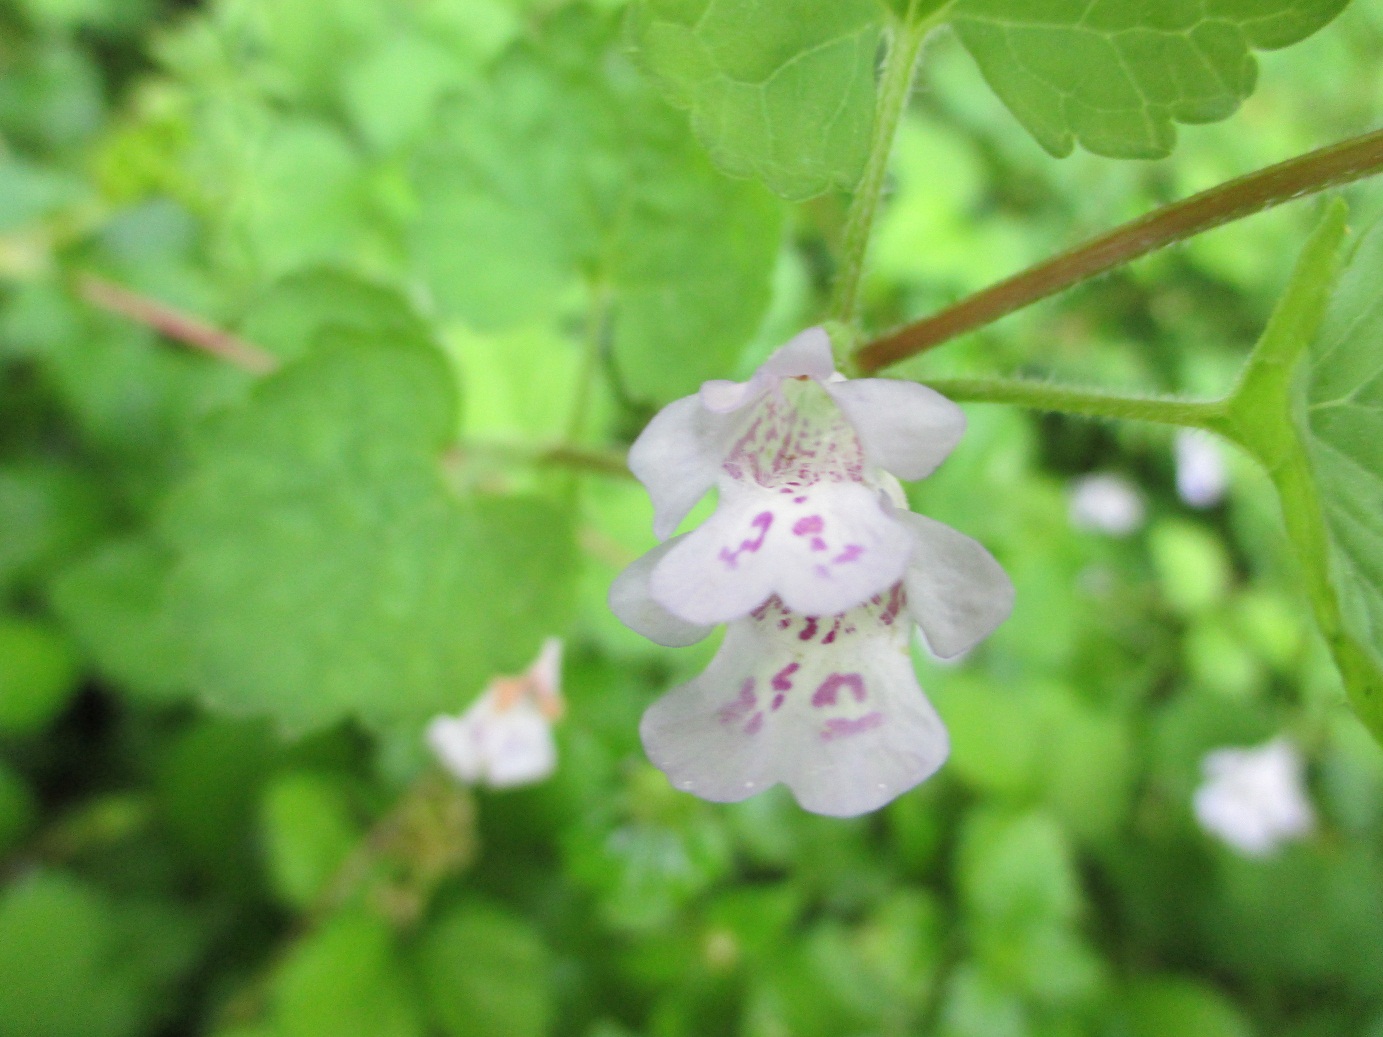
column 840, row 727
column 829, row 690
column 763, row 521
column 799, row 500
column 808, row 631
column 808, row 525
column 734, row 712
column 778, row 700
column 818, row 544
column 851, row 553
column 897, row 598
column 755, row 725
column 780, row 679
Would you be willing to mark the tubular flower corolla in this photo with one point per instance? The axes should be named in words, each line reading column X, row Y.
column 820, row 572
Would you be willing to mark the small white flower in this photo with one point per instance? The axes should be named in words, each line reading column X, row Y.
column 1106, row 503
column 1201, row 475
column 801, row 458
column 1254, row 799
column 504, row 738
column 821, row 573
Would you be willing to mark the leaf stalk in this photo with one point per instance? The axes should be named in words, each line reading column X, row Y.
column 1305, row 175
column 895, row 87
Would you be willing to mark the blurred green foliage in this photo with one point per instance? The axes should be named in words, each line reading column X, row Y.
column 469, row 230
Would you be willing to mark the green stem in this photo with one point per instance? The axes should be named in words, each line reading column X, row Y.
column 1308, row 174
column 895, row 85
column 1206, row 414
column 597, row 320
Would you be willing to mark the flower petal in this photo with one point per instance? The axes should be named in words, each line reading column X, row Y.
column 456, row 743
column 631, row 603
column 546, row 671
column 678, row 456
column 845, row 727
column 906, row 428
column 823, row 549
column 807, row 355
column 519, row 748
column 957, row 592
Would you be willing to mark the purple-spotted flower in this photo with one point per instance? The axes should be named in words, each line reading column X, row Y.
column 804, row 463
column 821, row 573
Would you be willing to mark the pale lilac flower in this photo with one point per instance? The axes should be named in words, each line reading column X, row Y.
column 821, row 572
column 801, row 459
column 1201, row 475
column 1254, row 799
column 1106, row 503
column 829, row 706
column 505, row 737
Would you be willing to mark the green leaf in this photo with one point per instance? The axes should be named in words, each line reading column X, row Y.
column 38, row 675
column 47, row 512
column 308, row 833
column 992, row 744
column 593, row 186
column 392, row 93
column 345, row 979
column 1115, row 75
column 209, row 785
column 486, row 975
column 1342, row 425
column 303, row 196
column 687, row 293
column 17, row 808
column 75, row 964
column 1191, row 564
column 1310, row 409
column 114, row 601
column 297, row 310
column 325, row 570
column 1017, row 871
column 1156, row 1007
column 782, row 91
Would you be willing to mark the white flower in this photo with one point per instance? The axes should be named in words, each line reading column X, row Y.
column 505, row 737
column 1201, row 476
column 821, row 573
column 1254, row 799
column 801, row 459
column 1106, row 503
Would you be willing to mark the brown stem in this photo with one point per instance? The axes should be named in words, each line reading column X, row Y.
column 1308, row 174
column 173, row 323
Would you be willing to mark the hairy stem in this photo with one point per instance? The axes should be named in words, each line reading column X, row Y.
column 895, row 85
column 1206, row 414
column 1308, row 174
column 174, row 324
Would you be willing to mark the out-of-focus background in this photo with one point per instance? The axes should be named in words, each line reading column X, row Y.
column 468, row 231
